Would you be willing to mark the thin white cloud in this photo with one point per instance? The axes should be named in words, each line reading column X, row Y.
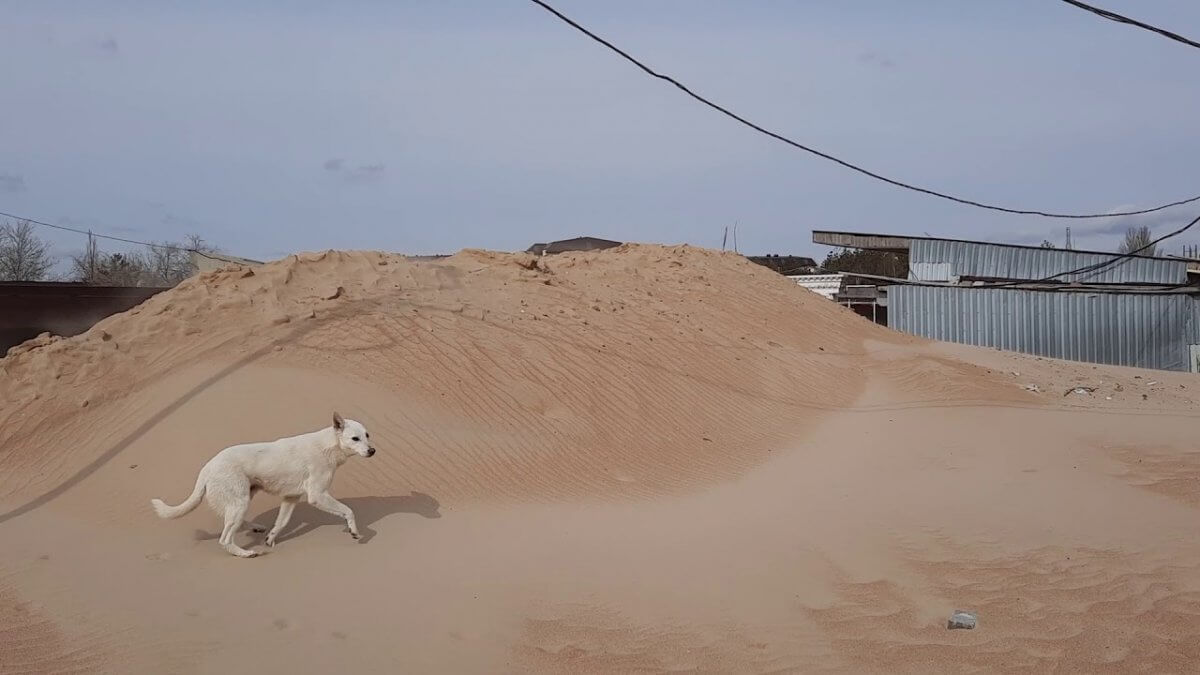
column 359, row 175
column 12, row 183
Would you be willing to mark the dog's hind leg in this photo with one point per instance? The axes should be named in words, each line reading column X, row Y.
column 234, row 514
column 285, row 514
column 250, row 525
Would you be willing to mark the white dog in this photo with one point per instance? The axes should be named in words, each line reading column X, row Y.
column 295, row 468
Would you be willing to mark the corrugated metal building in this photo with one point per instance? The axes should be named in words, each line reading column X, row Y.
column 1141, row 311
column 976, row 260
column 1148, row 331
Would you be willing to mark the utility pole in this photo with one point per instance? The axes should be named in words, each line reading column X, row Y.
column 91, row 255
column 1068, row 246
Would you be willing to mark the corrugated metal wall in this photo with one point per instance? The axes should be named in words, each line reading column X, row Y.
column 993, row 261
column 1148, row 331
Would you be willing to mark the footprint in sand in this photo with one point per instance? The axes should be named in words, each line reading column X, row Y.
column 158, row 556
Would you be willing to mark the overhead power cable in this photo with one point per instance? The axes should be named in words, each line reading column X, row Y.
column 64, row 228
column 1096, row 268
column 1113, row 16
column 824, row 155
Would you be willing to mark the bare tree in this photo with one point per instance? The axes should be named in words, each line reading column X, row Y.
column 169, row 263
column 1046, row 243
column 122, row 269
column 161, row 264
column 97, row 268
column 23, row 256
column 84, row 266
column 1138, row 240
column 166, row 264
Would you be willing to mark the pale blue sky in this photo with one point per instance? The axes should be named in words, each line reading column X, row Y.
column 422, row 127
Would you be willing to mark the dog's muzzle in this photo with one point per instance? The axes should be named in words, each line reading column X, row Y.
column 370, row 452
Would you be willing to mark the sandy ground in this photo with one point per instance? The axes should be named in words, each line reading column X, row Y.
column 644, row 459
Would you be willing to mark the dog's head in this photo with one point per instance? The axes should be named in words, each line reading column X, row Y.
column 352, row 436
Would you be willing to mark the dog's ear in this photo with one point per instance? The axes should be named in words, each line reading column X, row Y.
column 338, row 422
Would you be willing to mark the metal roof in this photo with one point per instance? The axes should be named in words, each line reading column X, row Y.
column 575, row 244
column 901, row 242
column 945, row 258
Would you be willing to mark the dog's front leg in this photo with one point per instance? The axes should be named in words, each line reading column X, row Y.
column 326, row 502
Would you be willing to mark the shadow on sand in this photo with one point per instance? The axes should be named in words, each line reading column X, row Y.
column 367, row 511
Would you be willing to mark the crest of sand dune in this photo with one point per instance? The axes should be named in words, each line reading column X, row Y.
column 640, row 459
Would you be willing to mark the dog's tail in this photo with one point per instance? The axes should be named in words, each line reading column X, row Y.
column 165, row 510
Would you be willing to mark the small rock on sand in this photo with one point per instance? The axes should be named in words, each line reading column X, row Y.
column 962, row 619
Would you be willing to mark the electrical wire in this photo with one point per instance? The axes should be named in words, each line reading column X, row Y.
column 1113, row 16
column 1095, row 268
column 64, row 228
column 824, row 155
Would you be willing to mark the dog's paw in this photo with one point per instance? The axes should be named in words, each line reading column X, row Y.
column 270, row 541
column 354, row 535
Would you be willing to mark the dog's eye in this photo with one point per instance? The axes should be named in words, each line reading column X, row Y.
column 355, row 439
column 368, row 435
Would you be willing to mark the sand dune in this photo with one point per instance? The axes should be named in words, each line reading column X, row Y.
column 641, row 459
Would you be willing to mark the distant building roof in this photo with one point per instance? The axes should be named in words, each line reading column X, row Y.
column 784, row 264
column 206, row 261
column 903, row 242
column 825, row 285
column 576, row 244
column 938, row 259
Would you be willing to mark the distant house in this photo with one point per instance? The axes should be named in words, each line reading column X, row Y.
column 787, row 265
column 824, row 285
column 203, row 262
column 576, row 244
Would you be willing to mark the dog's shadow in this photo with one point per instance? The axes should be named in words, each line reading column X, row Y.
column 367, row 511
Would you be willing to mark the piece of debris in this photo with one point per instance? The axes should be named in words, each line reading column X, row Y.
column 1034, row 388
column 962, row 619
column 1079, row 390
column 1120, row 388
column 1145, row 397
column 1107, row 398
column 1152, row 383
column 337, row 293
column 133, row 466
